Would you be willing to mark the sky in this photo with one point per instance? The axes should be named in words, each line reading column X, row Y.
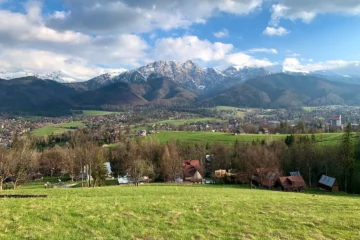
column 86, row 38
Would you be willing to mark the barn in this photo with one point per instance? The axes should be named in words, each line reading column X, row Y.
column 291, row 184
column 330, row 184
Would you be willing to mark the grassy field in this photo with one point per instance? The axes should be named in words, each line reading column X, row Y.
column 92, row 113
column 178, row 212
column 57, row 129
column 227, row 138
column 188, row 121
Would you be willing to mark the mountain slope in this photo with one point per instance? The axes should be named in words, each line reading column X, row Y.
column 31, row 93
column 163, row 90
column 115, row 94
column 188, row 75
column 284, row 90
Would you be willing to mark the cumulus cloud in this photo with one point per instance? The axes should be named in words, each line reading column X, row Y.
column 190, row 47
column 223, row 33
column 28, row 32
column 36, row 61
column 142, row 16
column 294, row 65
column 307, row 10
column 216, row 54
column 263, row 50
column 244, row 60
column 273, row 31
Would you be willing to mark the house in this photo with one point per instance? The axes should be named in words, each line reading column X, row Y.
column 107, row 165
column 265, row 177
column 220, row 173
column 335, row 121
column 124, row 180
column 142, row 133
column 291, row 184
column 329, row 183
column 191, row 171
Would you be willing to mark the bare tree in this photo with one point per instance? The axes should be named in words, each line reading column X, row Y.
column 171, row 163
column 5, row 165
column 24, row 161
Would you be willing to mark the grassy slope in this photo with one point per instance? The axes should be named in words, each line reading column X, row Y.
column 56, row 129
column 178, row 212
column 227, row 138
column 93, row 113
column 188, row 121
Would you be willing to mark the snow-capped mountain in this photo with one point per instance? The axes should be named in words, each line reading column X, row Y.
column 58, row 76
column 188, row 74
column 245, row 73
column 329, row 75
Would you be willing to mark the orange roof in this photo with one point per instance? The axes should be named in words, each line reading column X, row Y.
column 193, row 163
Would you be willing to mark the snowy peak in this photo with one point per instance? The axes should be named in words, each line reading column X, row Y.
column 188, row 74
column 245, row 73
column 58, row 76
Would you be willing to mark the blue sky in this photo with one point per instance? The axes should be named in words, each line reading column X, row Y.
column 85, row 38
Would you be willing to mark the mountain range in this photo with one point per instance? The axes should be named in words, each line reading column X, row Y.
column 169, row 82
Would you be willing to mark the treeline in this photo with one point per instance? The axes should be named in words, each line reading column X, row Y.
column 163, row 162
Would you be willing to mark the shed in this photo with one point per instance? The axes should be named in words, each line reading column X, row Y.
column 291, row 184
column 329, row 183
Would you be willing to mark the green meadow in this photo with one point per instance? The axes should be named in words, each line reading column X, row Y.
column 94, row 113
column 189, row 121
column 227, row 138
column 162, row 211
column 57, row 128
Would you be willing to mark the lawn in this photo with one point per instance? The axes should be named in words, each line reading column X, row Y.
column 178, row 212
column 57, row 128
column 191, row 120
column 227, row 138
column 93, row 113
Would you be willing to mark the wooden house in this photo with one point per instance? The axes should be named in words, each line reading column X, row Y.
column 291, row 184
column 191, row 171
column 265, row 177
column 330, row 184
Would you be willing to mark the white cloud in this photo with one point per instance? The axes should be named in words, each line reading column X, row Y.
column 190, row 47
column 215, row 54
column 307, row 10
column 34, row 61
column 263, row 50
column 143, row 16
column 273, row 31
column 28, row 33
column 243, row 60
column 223, row 33
column 294, row 65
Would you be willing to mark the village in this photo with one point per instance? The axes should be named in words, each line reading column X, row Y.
column 140, row 123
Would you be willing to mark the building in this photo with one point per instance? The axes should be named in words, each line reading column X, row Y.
column 335, row 121
column 297, row 173
column 328, row 183
column 142, row 133
column 291, row 184
column 191, row 171
column 265, row 177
